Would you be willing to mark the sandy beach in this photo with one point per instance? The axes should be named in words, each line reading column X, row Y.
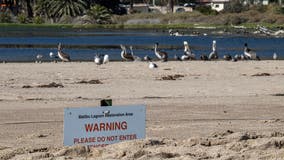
column 194, row 109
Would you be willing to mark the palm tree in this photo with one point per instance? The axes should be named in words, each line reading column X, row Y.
column 171, row 5
column 71, row 8
column 99, row 14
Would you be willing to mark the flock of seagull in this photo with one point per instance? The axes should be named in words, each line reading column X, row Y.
column 161, row 55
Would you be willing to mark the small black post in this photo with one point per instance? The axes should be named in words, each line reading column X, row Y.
column 106, row 102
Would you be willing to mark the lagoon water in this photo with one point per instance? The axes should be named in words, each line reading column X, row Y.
column 23, row 45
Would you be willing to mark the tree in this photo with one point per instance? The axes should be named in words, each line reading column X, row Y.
column 112, row 5
column 99, row 14
column 72, row 8
column 171, row 5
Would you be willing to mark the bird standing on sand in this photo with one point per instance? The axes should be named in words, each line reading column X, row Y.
column 106, row 59
column 147, row 58
column 188, row 55
column 53, row 56
column 124, row 55
column 136, row 58
column 203, row 57
column 160, row 54
column 98, row 59
column 275, row 56
column 177, row 58
column 227, row 57
column 213, row 54
column 63, row 56
column 39, row 58
column 152, row 65
column 248, row 53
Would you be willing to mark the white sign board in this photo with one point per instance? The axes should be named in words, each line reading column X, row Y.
column 100, row 126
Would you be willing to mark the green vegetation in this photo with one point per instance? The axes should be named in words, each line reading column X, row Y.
column 5, row 17
column 99, row 15
column 107, row 14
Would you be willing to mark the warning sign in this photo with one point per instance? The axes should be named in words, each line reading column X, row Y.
column 100, row 126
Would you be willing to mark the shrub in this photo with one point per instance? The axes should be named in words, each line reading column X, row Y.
column 260, row 8
column 235, row 6
column 5, row 17
column 38, row 20
column 206, row 10
column 22, row 18
column 279, row 10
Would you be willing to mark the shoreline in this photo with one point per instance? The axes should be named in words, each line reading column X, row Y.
column 139, row 26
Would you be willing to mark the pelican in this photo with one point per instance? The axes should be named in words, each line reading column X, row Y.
column 63, row 56
column 160, row 54
column 275, row 56
column 188, row 55
column 98, row 59
column 136, row 58
column 213, row 54
column 39, row 58
column 152, row 65
column 248, row 53
column 124, row 55
column 106, row 59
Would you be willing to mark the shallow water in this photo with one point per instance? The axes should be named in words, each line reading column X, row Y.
column 82, row 45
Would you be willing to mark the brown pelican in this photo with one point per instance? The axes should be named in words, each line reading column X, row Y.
column 188, row 55
column 136, row 58
column 63, row 56
column 160, row 54
column 213, row 54
column 124, row 55
column 248, row 53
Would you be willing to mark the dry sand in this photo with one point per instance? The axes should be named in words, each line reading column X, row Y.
column 212, row 110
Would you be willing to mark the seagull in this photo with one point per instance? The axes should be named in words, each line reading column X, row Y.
column 188, row 55
column 275, row 56
column 177, row 58
column 63, row 56
column 160, row 54
column 248, row 53
column 106, row 59
column 227, row 57
column 53, row 56
column 213, row 54
column 98, row 59
column 203, row 57
column 39, row 58
column 152, row 65
column 124, row 55
column 234, row 59
column 147, row 58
